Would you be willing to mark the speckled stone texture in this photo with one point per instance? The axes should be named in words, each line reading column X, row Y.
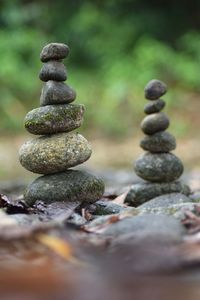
column 145, row 191
column 154, row 123
column 54, row 153
column 159, row 142
column 54, row 92
column 162, row 167
column 53, row 70
column 54, row 118
column 71, row 185
column 154, row 106
column 155, row 89
column 54, row 51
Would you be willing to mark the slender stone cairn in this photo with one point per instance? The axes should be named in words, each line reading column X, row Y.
column 58, row 148
column 159, row 167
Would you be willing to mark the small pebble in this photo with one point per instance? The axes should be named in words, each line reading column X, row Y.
column 159, row 167
column 155, row 89
column 159, row 142
column 154, row 106
column 54, row 153
column 51, row 119
column 154, row 123
column 55, row 51
column 55, row 92
column 53, row 70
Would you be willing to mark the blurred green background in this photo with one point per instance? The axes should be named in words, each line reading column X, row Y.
column 117, row 46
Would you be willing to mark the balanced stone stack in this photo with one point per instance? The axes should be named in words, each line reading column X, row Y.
column 57, row 149
column 158, row 166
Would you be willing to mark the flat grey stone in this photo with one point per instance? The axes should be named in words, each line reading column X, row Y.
column 158, row 167
column 54, row 153
column 154, row 123
column 54, row 51
column 165, row 201
column 54, row 92
column 155, row 89
column 142, row 192
column 69, row 186
column 51, row 119
column 154, row 106
column 158, row 142
column 103, row 207
column 145, row 225
column 53, row 70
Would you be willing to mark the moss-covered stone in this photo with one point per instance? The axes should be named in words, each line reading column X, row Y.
column 54, row 153
column 158, row 167
column 54, row 118
column 72, row 185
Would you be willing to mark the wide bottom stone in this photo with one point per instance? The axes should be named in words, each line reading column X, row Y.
column 143, row 192
column 69, row 186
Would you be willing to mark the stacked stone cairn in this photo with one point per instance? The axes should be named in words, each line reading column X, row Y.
column 58, row 148
column 159, row 167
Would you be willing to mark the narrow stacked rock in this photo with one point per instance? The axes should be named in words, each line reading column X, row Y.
column 158, row 166
column 57, row 149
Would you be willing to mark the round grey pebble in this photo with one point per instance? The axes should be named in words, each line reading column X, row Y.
column 53, row 70
column 143, row 192
column 158, row 167
column 55, row 92
column 54, row 51
column 154, row 123
column 155, row 89
column 154, row 106
column 159, row 142
column 69, row 186
column 165, row 201
column 54, row 153
column 54, row 118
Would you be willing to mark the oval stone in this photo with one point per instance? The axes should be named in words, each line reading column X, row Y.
column 54, row 92
column 53, row 70
column 154, row 106
column 51, row 119
column 68, row 186
column 54, row 153
column 159, row 142
column 54, row 51
column 155, row 89
column 154, row 123
column 162, row 167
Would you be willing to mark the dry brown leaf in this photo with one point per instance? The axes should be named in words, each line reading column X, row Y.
column 120, row 199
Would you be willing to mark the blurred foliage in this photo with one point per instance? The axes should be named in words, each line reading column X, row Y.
column 117, row 46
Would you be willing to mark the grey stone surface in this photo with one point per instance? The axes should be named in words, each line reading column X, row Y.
column 165, row 201
column 154, row 123
column 154, row 106
column 51, row 119
column 195, row 196
column 67, row 186
column 103, row 207
column 54, row 51
column 158, row 167
column 155, row 89
column 159, row 142
column 53, row 70
column 55, row 92
column 142, row 192
column 54, row 153
column 145, row 225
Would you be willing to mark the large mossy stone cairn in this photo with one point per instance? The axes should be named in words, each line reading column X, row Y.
column 57, row 149
column 159, row 167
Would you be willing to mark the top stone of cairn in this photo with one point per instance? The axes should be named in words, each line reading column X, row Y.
column 155, row 89
column 54, row 51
